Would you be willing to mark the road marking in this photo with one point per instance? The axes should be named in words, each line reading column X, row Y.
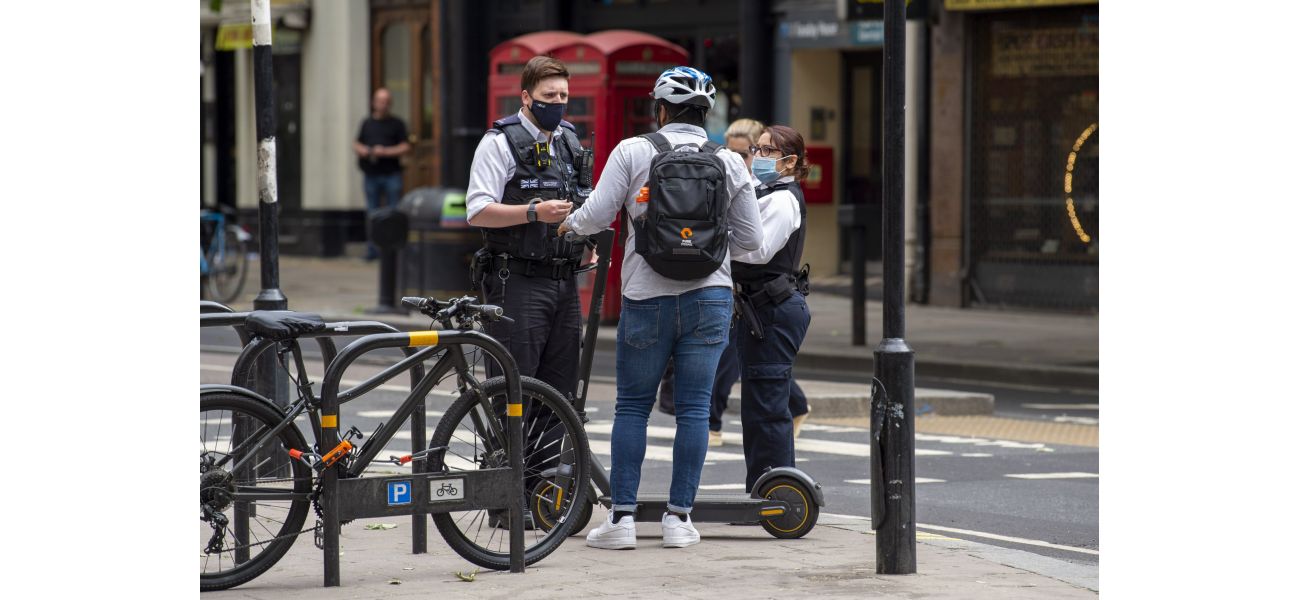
column 976, row 454
column 346, row 383
column 662, row 453
column 991, row 536
column 834, row 428
column 723, row 486
column 1074, row 475
column 1061, row 406
column 918, row 480
column 954, row 439
column 802, row 444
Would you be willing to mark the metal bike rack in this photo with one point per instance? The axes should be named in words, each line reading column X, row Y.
column 362, row 497
column 213, row 314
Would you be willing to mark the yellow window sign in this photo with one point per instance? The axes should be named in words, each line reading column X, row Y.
column 235, row 36
column 995, row 4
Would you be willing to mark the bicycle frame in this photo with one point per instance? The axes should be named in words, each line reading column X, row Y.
column 219, row 224
column 484, row 489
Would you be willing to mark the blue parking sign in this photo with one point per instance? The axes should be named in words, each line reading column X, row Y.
column 399, row 492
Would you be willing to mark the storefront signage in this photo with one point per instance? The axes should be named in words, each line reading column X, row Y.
column 1045, row 52
column 997, row 4
column 832, row 34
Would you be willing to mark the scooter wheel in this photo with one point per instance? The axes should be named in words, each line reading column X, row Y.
column 542, row 505
column 801, row 517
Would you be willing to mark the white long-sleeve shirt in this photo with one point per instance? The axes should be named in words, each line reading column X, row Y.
column 779, row 211
column 626, row 172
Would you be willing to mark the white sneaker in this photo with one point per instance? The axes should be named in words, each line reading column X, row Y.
column 678, row 533
column 715, row 439
column 613, row 536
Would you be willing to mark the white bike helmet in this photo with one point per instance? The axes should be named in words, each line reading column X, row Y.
column 685, row 85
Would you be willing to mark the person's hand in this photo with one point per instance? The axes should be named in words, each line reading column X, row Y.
column 553, row 211
column 564, row 228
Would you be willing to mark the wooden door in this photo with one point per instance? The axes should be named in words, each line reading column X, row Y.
column 405, row 58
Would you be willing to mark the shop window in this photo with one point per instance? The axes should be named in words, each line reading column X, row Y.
column 1033, row 129
column 397, row 68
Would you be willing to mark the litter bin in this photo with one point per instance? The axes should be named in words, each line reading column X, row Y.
column 440, row 245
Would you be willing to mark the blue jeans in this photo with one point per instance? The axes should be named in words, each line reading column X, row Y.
column 692, row 329
column 378, row 188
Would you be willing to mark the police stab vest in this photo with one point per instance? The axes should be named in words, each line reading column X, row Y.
column 786, row 261
column 538, row 174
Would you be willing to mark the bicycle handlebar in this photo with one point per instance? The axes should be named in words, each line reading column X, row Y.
column 462, row 307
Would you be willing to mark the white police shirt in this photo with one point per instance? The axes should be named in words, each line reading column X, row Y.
column 626, row 172
column 494, row 165
column 779, row 211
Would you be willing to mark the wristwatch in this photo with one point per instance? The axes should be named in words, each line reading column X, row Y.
column 532, row 210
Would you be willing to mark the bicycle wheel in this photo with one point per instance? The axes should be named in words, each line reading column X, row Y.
column 227, row 265
column 247, row 519
column 555, row 451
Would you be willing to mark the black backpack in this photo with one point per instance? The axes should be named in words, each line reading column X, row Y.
column 683, row 233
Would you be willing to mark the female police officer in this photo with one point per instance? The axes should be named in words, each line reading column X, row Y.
column 770, row 292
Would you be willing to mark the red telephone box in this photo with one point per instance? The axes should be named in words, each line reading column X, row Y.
column 506, row 66
column 611, row 75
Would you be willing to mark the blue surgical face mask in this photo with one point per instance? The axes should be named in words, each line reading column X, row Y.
column 765, row 169
column 548, row 114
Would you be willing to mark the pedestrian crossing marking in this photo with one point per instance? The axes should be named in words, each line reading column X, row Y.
column 1073, row 475
column 918, row 480
column 723, row 486
column 662, row 453
column 801, row 444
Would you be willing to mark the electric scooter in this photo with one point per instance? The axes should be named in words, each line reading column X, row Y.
column 785, row 500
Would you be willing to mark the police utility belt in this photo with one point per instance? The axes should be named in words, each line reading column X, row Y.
column 752, row 296
column 504, row 265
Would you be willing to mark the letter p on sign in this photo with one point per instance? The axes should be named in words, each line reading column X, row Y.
column 399, row 492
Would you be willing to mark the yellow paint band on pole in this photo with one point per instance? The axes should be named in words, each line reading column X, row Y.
column 514, row 410
column 329, row 420
column 423, row 338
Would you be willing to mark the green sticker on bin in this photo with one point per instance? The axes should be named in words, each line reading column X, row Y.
column 453, row 210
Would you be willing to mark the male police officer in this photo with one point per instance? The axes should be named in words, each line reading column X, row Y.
column 528, row 172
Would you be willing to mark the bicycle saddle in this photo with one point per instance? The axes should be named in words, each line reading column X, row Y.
column 282, row 325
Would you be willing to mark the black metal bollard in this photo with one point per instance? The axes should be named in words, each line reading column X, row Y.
column 854, row 218
column 389, row 228
column 893, row 464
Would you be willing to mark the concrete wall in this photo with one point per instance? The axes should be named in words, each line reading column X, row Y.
column 815, row 80
column 335, row 99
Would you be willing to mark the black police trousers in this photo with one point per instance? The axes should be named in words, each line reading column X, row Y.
column 544, row 340
column 766, row 376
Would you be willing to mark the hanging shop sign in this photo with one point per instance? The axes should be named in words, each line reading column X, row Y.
column 867, row 10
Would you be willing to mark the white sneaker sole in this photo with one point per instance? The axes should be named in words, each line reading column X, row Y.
column 612, row 544
column 681, row 544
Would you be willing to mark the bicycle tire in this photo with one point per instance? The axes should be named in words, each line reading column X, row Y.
column 228, row 270
column 275, row 469
column 541, row 401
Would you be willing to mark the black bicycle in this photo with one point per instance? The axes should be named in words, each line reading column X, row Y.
column 260, row 479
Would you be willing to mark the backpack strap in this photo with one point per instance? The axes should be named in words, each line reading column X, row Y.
column 660, row 142
column 711, row 147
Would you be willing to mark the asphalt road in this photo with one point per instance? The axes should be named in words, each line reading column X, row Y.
column 1033, row 497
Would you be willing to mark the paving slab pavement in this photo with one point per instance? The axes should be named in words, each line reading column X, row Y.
column 835, row 560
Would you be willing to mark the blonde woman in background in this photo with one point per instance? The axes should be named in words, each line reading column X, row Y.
column 741, row 136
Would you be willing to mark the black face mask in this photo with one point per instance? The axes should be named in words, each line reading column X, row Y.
column 548, row 114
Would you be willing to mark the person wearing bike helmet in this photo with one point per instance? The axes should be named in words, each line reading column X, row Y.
column 664, row 316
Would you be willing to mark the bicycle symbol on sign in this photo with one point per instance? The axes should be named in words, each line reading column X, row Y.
column 447, row 489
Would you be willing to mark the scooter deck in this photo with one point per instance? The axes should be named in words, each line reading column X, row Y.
column 710, row 508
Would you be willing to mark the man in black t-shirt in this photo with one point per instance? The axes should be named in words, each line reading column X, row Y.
column 380, row 143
